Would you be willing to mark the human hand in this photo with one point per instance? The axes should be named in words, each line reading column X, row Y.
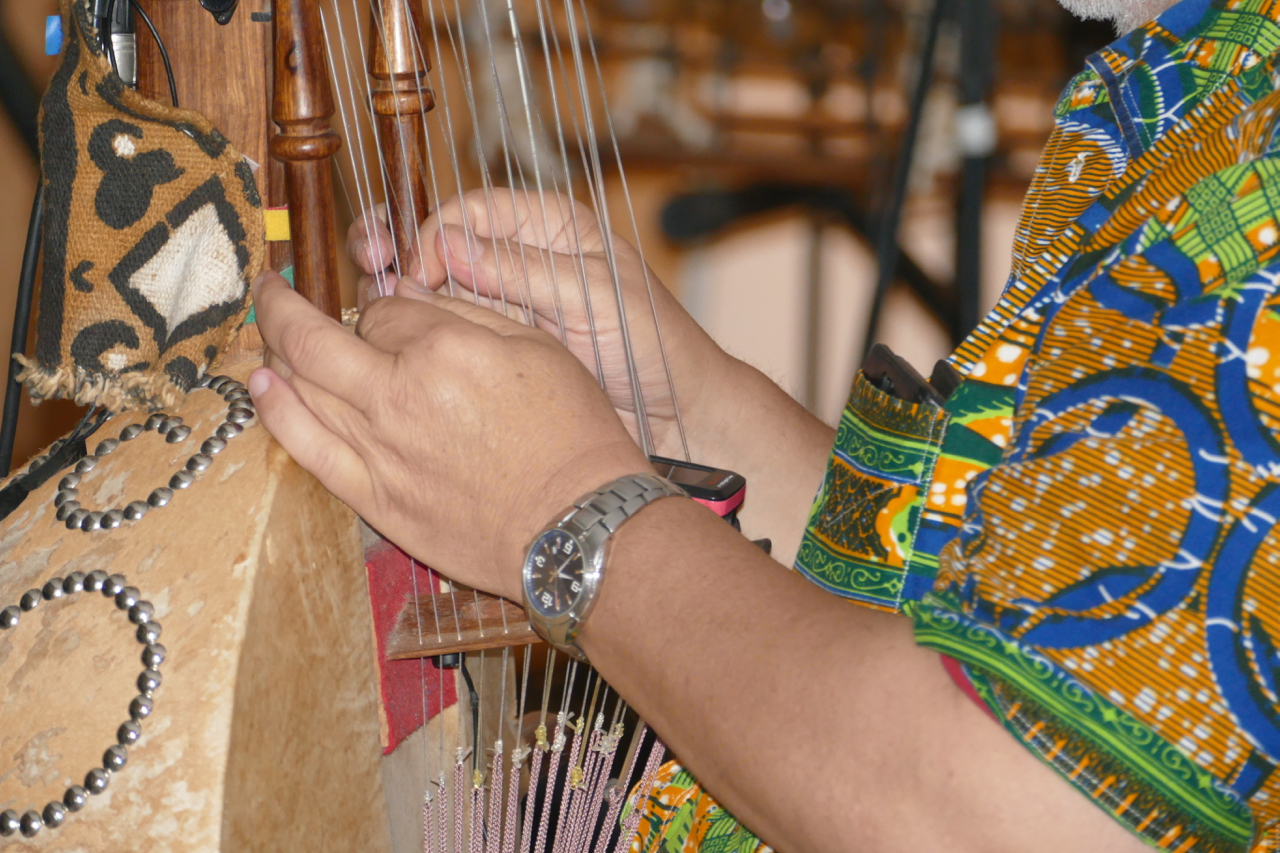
column 456, row 432
column 545, row 257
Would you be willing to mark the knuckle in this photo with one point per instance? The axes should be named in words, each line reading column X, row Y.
column 301, row 343
column 371, row 317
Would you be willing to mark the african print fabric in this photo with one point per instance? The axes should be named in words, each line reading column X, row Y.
column 1089, row 524
column 152, row 232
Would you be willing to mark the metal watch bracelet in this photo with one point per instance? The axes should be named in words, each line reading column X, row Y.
column 592, row 521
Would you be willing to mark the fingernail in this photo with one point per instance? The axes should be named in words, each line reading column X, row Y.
column 414, row 284
column 259, row 382
column 257, row 282
column 460, row 247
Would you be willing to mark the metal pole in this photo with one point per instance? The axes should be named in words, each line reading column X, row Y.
column 887, row 231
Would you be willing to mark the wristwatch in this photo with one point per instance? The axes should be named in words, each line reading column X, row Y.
column 563, row 566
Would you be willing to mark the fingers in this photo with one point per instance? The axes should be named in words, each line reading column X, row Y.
column 547, row 283
column 369, row 242
column 393, row 325
column 312, row 345
column 371, row 287
column 311, row 444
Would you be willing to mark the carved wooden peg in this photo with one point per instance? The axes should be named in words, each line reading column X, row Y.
column 304, row 143
column 398, row 66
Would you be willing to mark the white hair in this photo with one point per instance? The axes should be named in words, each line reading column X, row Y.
column 1125, row 14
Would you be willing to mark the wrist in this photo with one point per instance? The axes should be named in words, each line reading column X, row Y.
column 709, row 410
column 552, row 498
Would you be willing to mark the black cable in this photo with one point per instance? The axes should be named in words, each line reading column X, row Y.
column 64, row 453
column 475, row 713
column 21, row 319
column 104, row 36
column 887, row 231
column 164, row 54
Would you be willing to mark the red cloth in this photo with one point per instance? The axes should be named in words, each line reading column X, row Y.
column 961, row 678
column 404, row 686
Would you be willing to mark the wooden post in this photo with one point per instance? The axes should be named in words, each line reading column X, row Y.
column 398, row 66
column 301, row 109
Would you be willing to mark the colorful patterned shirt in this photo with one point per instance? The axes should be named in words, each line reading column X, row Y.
column 1089, row 524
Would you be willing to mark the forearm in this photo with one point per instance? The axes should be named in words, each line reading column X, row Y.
column 819, row 724
column 744, row 422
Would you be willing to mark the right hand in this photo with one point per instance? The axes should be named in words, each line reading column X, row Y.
column 526, row 254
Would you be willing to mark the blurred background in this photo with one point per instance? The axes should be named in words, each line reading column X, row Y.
column 763, row 142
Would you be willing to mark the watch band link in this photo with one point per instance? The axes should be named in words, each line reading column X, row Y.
column 610, row 506
column 594, row 518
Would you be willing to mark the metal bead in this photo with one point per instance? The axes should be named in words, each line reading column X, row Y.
column 92, row 521
column 213, row 446
column 75, row 798
column 154, row 421
column 139, row 709
column 136, row 510
column 141, row 612
column 154, row 655
column 240, row 415
column 69, row 482
column 112, row 518
column 73, row 583
column 237, row 394
column 229, row 431
column 65, row 495
column 9, row 822
column 87, row 464
column 76, row 517
column 218, row 384
column 128, row 733
column 198, row 463
column 96, row 780
column 160, row 496
column 36, row 463
column 30, row 599
column 9, row 616
column 127, row 597
column 106, row 446
column 95, row 579
column 112, row 586
column 54, row 814
column 149, row 682
column 181, row 480
column 168, row 424
column 64, row 512
column 149, row 632
column 177, row 434
column 115, row 758
column 31, row 823
column 131, row 432
column 53, row 589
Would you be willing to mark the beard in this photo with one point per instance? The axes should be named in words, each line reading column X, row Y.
column 1125, row 14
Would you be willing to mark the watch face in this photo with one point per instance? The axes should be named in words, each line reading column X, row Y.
column 554, row 573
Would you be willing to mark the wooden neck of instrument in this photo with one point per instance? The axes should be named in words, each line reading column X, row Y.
column 304, row 143
column 398, row 65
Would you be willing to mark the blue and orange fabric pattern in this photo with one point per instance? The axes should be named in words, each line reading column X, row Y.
column 1091, row 524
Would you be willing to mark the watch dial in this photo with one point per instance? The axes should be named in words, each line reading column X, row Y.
column 553, row 572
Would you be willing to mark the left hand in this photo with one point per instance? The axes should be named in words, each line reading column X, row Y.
column 454, row 431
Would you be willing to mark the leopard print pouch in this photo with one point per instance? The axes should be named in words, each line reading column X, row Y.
column 152, row 234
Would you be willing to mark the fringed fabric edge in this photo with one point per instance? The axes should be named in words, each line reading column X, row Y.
column 115, row 393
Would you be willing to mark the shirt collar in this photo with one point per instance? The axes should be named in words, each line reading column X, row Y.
column 1153, row 76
